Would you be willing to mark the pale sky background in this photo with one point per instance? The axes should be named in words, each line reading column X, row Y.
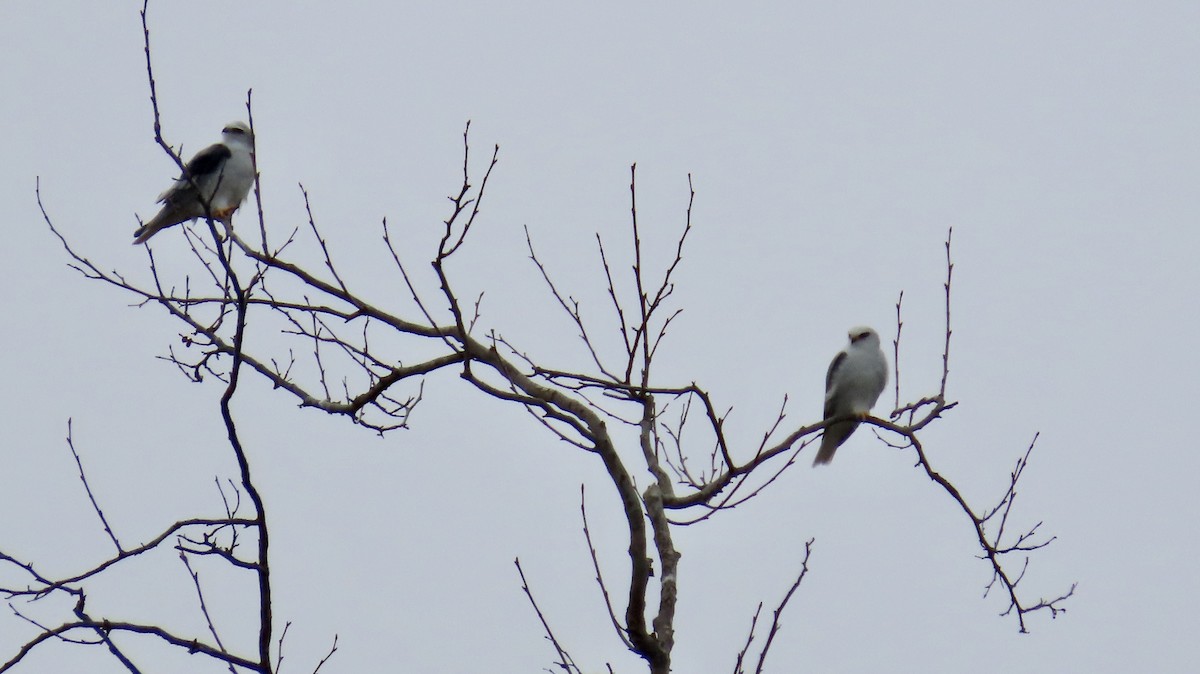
column 830, row 147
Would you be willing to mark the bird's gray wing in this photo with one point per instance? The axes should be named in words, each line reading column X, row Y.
column 833, row 367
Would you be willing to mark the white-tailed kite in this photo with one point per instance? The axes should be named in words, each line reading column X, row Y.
column 856, row 378
column 220, row 175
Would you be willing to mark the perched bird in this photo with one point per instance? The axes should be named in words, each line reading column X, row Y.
column 855, row 379
column 220, row 175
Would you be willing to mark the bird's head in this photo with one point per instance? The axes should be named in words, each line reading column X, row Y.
column 237, row 132
column 864, row 336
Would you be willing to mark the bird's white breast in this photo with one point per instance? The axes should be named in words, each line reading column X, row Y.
column 235, row 181
column 863, row 376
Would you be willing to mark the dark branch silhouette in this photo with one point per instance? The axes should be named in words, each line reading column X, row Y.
column 321, row 340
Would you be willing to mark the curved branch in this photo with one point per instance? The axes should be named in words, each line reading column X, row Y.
column 108, row 626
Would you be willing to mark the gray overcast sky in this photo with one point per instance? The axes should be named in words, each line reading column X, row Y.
column 831, row 148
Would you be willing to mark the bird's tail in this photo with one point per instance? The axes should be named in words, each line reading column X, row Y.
column 165, row 218
column 147, row 230
column 825, row 453
column 831, row 439
column 142, row 233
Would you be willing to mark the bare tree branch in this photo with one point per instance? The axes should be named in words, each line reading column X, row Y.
column 91, row 497
column 777, row 614
column 565, row 662
column 323, row 341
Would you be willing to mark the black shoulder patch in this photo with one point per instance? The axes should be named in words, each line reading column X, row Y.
column 207, row 160
column 832, row 368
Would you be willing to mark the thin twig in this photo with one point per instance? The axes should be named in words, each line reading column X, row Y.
column 212, row 629
column 91, row 497
column 564, row 659
column 762, row 656
column 587, row 534
column 332, row 650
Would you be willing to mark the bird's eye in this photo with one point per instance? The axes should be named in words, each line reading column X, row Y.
column 233, row 129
